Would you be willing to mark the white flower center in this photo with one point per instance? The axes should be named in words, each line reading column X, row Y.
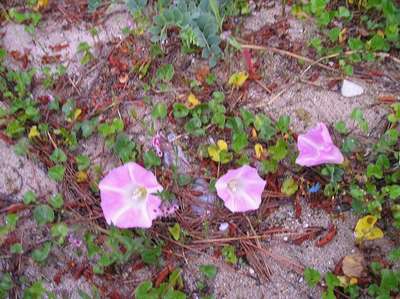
column 233, row 185
column 138, row 194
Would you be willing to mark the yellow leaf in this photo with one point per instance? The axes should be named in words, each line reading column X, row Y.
column 342, row 35
column 81, row 176
column 33, row 132
column 254, row 133
column 192, row 101
column 77, row 112
column 353, row 280
column 222, row 145
column 41, row 4
column 237, row 79
column 366, row 230
column 343, row 280
column 214, row 150
column 258, row 148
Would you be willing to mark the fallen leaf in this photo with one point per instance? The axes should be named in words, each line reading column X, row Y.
column 81, row 176
column 215, row 150
column 387, row 99
column 366, row 230
column 353, row 265
column 41, row 4
column 259, row 149
column 201, row 73
column 238, row 79
column 328, row 237
column 124, row 78
column 50, row 59
column 33, row 132
column 250, row 65
column 253, row 134
column 59, row 47
column 192, row 101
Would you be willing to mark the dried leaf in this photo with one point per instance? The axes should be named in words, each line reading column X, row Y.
column 238, row 79
column 366, row 230
column 259, row 149
column 192, row 101
column 33, row 132
column 41, row 4
column 81, row 176
column 353, row 265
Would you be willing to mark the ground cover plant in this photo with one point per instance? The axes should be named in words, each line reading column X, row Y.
column 184, row 165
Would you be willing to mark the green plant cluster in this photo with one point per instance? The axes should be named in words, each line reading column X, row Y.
column 377, row 28
column 385, row 281
column 199, row 26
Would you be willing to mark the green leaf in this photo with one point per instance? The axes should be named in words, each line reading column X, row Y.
column 151, row 159
column 331, row 280
column 6, row 283
column 228, row 252
column 36, row 291
column 343, row 12
column 59, row 231
column 209, row 271
column 159, row 111
column 378, row 43
column 374, row 170
column 239, row 141
column 264, row 126
column 279, row 151
column 394, row 255
column 269, row 166
column 56, row 201
column 289, row 186
column 29, row 197
column 283, row 124
column 16, row 249
column 175, row 231
column 394, row 192
column 151, row 256
column 11, row 221
column 83, row 162
column 184, row 180
column 341, row 128
column 355, row 44
column 334, row 34
column 111, row 128
column 165, row 72
column 21, row 148
column 312, row 277
column 124, row 148
column 180, row 110
column 349, row 145
column 57, row 173
column 40, row 254
column 143, row 291
column 358, row 116
column 88, row 127
column 58, row 156
column 43, row 214
column 247, row 116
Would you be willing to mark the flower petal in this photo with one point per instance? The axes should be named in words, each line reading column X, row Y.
column 127, row 196
column 117, row 179
column 316, row 147
column 241, row 189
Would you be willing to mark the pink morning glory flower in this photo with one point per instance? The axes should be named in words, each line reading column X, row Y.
column 316, row 147
column 241, row 189
column 128, row 196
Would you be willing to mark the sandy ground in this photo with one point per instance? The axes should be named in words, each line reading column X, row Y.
column 306, row 104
